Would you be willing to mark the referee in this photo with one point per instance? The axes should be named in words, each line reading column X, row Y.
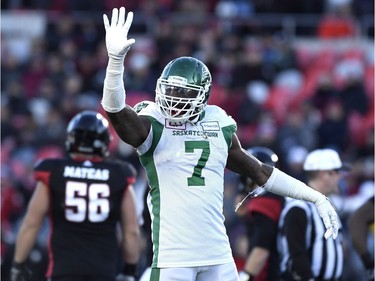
column 305, row 253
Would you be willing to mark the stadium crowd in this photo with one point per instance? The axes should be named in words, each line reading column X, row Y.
column 287, row 96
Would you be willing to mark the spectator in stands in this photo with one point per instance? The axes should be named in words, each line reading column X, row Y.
column 354, row 96
column 337, row 23
column 297, row 130
column 294, row 162
column 325, row 92
column 333, row 130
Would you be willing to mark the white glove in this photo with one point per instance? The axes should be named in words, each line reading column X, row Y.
column 122, row 277
column 329, row 216
column 116, row 38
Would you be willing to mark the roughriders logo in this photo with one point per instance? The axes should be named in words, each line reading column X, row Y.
column 175, row 125
column 139, row 106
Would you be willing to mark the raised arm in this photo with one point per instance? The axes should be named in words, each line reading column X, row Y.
column 282, row 184
column 131, row 128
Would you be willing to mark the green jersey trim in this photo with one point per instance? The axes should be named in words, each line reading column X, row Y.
column 147, row 161
column 228, row 134
column 155, row 274
column 202, row 115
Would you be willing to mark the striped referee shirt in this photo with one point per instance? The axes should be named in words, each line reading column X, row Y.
column 303, row 249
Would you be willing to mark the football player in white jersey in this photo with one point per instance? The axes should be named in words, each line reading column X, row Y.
column 184, row 146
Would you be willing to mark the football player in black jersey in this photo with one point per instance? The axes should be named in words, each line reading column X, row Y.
column 85, row 196
column 260, row 215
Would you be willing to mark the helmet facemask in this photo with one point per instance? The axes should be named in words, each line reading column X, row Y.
column 179, row 101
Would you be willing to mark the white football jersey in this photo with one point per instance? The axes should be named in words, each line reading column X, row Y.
column 185, row 168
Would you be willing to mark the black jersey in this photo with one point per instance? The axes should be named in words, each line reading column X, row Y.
column 263, row 213
column 85, row 204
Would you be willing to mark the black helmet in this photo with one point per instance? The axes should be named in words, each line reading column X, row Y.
column 88, row 133
column 264, row 154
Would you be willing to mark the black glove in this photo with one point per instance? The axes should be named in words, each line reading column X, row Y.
column 129, row 273
column 20, row 272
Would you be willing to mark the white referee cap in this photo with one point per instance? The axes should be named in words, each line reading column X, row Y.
column 324, row 159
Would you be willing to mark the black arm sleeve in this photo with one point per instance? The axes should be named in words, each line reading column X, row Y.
column 295, row 231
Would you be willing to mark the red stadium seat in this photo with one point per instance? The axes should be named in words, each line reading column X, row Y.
column 369, row 82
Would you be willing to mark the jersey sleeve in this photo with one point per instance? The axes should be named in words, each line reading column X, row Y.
column 132, row 174
column 228, row 125
column 129, row 171
column 265, row 212
column 42, row 170
column 150, row 110
column 268, row 206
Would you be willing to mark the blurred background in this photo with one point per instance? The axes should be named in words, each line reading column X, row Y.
column 296, row 75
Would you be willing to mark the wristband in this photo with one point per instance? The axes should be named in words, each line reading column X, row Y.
column 113, row 90
column 20, row 271
column 19, row 265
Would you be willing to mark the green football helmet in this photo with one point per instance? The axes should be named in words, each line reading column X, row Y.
column 183, row 89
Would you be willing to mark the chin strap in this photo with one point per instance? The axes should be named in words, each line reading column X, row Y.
column 254, row 193
column 194, row 123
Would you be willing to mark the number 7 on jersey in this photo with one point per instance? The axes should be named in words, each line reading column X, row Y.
column 196, row 178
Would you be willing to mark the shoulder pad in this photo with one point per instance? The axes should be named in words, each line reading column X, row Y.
column 126, row 167
column 45, row 164
column 216, row 112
